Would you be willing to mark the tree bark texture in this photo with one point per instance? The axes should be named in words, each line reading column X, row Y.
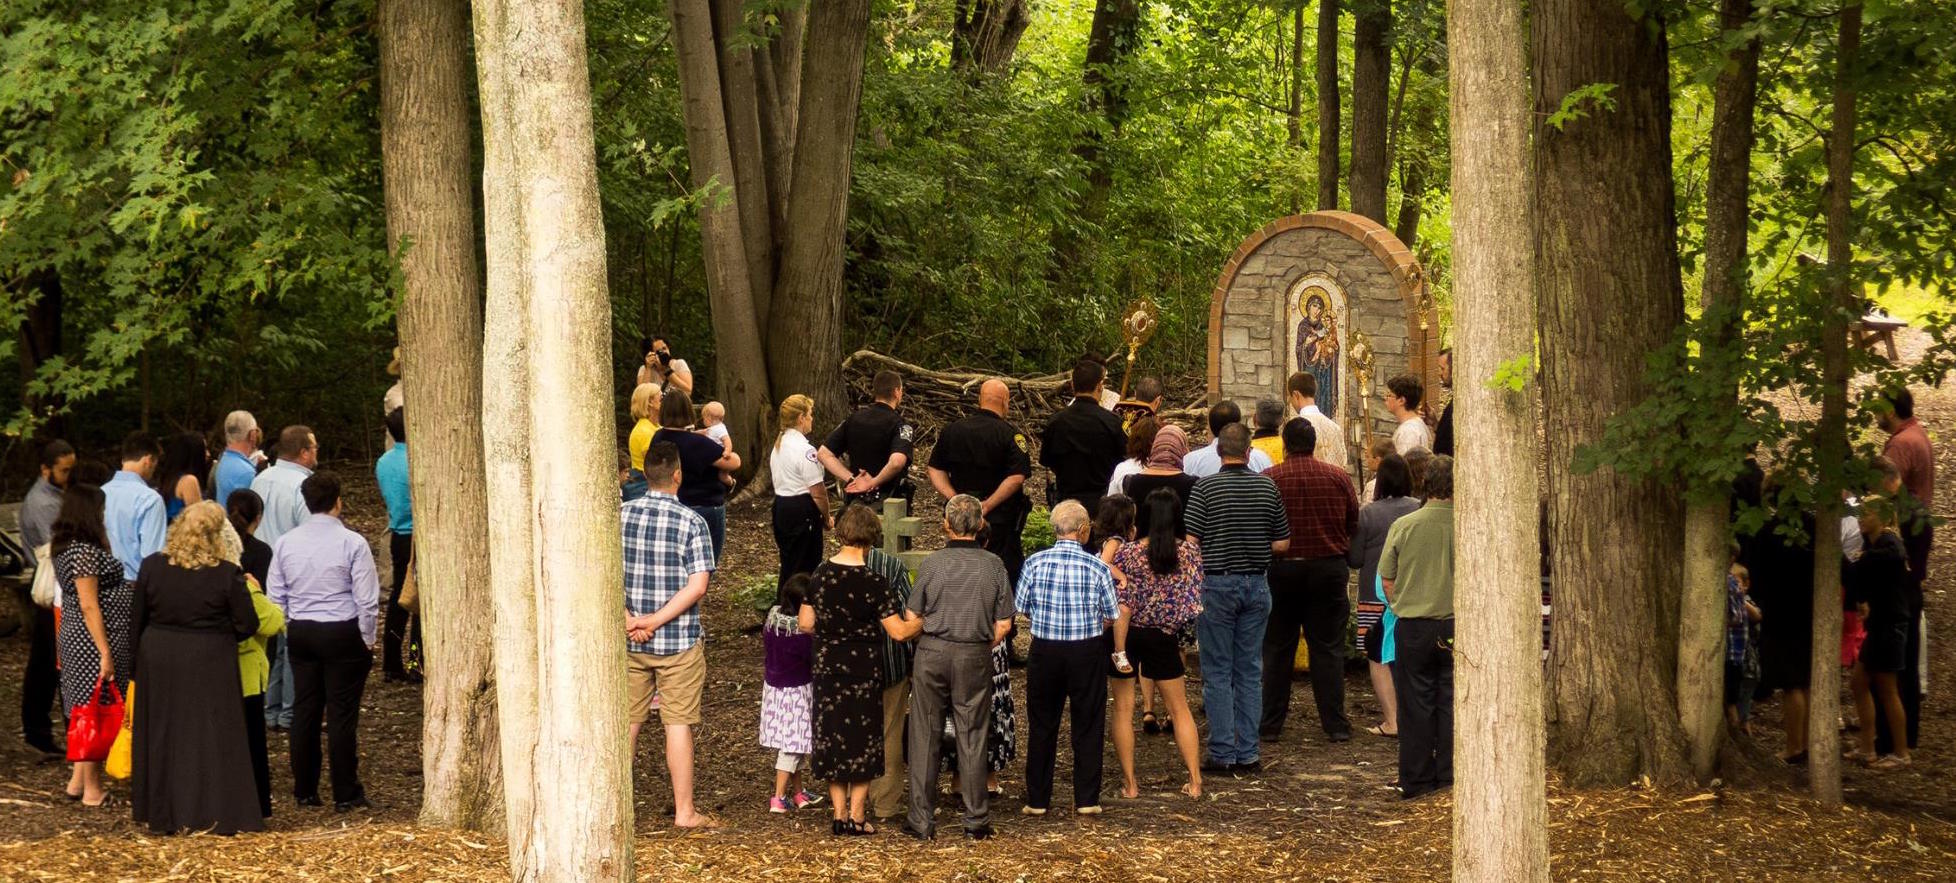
column 548, row 286
column 1610, row 293
column 1294, row 112
column 428, row 161
column 1839, row 306
column 40, row 340
column 1327, row 75
column 1500, row 797
column 1371, row 76
column 985, row 34
column 740, row 92
column 1702, row 612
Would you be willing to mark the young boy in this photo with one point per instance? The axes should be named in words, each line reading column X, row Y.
column 1741, row 659
column 713, row 425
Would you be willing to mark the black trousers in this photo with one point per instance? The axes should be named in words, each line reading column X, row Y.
column 1058, row 673
column 1423, row 677
column 797, row 535
column 1004, row 537
column 330, row 663
column 261, row 765
column 400, row 548
column 40, row 684
column 1306, row 595
column 1909, row 682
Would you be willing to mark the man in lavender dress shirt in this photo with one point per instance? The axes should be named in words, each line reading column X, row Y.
column 323, row 577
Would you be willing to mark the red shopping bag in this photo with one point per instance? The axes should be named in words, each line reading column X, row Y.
column 92, row 728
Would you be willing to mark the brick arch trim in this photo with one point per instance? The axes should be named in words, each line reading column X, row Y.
column 1386, row 247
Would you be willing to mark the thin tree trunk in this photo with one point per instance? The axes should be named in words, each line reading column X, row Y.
column 1327, row 72
column 1371, row 75
column 40, row 340
column 1838, row 308
column 428, row 165
column 581, row 824
column 740, row 369
column 1294, row 114
column 1702, row 612
column 1500, row 797
column 985, row 34
column 1610, row 292
column 805, row 330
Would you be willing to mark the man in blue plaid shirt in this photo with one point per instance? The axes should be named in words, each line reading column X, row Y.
column 1067, row 593
column 668, row 558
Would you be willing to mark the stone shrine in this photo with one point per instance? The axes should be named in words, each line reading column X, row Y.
column 1334, row 294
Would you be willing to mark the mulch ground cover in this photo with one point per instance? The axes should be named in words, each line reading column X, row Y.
column 1320, row 811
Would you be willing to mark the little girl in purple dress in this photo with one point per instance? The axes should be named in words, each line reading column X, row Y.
column 788, row 695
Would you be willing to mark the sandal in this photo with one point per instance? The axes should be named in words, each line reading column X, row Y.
column 864, row 828
column 1150, row 724
column 1380, row 731
column 1121, row 664
column 1856, row 755
column 1889, row 762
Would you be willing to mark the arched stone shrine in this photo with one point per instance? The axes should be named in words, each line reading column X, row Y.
column 1331, row 293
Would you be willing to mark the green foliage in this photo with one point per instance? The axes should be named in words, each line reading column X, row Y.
column 756, row 592
column 1514, row 374
column 1038, row 534
column 1572, row 109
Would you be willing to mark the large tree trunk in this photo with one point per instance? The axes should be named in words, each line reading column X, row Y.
column 805, row 329
column 1838, row 309
column 1610, row 293
column 985, row 34
column 428, row 162
column 1371, row 74
column 740, row 95
column 1702, row 612
column 740, row 369
column 1294, row 112
column 1500, row 798
column 1327, row 72
column 548, row 286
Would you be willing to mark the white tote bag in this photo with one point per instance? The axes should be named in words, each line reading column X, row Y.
column 46, row 593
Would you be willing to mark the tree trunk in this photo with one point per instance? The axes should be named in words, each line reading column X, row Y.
column 1839, row 307
column 548, row 284
column 428, row 166
column 1702, row 612
column 740, row 370
column 985, row 34
column 805, row 329
column 740, row 95
column 1371, row 76
column 1327, row 105
column 1110, row 41
column 1607, row 269
column 40, row 340
column 1500, row 797
column 1294, row 113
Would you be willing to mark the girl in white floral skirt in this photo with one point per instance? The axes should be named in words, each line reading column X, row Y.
column 788, row 696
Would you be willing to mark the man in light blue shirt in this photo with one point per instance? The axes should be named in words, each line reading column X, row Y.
column 1206, row 461
column 239, row 464
column 391, row 472
column 131, row 509
column 285, row 509
column 323, row 577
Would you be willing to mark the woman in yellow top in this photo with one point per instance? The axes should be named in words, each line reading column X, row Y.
column 254, row 557
column 645, row 409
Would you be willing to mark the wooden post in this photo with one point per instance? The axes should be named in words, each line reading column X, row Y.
column 900, row 529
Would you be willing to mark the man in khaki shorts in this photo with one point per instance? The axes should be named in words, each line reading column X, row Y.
column 668, row 557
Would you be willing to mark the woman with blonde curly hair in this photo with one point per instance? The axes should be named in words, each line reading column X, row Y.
column 191, row 761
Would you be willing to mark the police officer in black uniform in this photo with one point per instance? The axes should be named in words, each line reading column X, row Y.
column 984, row 456
column 877, row 441
column 1083, row 442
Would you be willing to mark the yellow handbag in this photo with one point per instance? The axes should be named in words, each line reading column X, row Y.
column 118, row 764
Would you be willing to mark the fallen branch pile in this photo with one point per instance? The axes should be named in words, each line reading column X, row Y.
column 934, row 398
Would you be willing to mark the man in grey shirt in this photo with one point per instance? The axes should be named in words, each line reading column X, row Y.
column 965, row 598
column 42, row 681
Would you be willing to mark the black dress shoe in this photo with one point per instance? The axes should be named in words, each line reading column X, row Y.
column 909, row 831
column 1240, row 770
column 308, row 801
column 982, row 832
column 1345, row 736
column 351, row 805
column 1211, row 766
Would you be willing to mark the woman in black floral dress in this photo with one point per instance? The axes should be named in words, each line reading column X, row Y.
column 850, row 607
column 97, row 638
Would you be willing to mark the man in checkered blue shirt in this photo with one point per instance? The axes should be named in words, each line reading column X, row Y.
column 668, row 558
column 1068, row 595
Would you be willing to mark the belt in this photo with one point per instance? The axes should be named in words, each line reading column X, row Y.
column 1234, row 573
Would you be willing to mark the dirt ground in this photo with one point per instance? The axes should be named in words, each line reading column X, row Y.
column 1320, row 811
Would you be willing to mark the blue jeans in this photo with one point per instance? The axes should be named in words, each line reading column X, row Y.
column 716, row 526
column 1234, row 611
column 278, row 687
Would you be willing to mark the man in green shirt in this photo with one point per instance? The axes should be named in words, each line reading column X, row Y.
column 1416, row 571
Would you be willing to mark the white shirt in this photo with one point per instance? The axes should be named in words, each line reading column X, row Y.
column 794, row 465
column 1412, row 433
column 717, row 432
column 1123, row 469
column 1205, row 461
column 1331, row 438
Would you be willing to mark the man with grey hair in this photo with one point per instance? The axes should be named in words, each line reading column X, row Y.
column 1239, row 518
column 1067, row 594
column 239, row 464
column 1416, row 572
column 965, row 599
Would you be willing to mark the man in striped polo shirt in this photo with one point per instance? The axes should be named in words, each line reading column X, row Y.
column 1239, row 519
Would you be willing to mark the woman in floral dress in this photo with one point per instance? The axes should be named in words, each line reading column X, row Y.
column 1162, row 596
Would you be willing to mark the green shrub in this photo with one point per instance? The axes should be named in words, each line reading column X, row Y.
column 756, row 592
column 1038, row 535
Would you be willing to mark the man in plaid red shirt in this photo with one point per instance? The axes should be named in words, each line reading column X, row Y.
column 1307, row 584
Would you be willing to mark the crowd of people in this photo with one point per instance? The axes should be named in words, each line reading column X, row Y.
column 191, row 576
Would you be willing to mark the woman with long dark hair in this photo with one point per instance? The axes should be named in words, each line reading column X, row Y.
column 1392, row 499
column 180, row 476
column 96, row 641
column 1160, row 598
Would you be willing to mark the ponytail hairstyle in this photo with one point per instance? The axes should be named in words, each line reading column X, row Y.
column 1164, row 516
column 793, row 408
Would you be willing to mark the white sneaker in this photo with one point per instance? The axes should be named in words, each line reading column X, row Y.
column 1032, row 810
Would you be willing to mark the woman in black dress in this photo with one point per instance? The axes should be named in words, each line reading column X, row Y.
column 96, row 642
column 191, row 763
column 849, row 609
column 1782, row 586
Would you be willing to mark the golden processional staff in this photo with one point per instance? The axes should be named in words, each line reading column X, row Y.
column 1138, row 323
column 1361, row 355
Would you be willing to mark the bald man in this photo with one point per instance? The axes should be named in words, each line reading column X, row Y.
column 985, row 456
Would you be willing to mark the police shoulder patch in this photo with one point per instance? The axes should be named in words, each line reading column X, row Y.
column 1019, row 438
column 905, row 432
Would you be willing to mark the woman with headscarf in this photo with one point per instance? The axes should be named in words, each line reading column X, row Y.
column 1164, row 470
column 191, row 760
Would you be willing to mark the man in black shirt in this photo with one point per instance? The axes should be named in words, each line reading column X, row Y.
column 984, row 456
column 1082, row 443
column 877, row 441
column 1443, row 434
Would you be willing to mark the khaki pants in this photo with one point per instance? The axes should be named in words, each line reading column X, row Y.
column 886, row 793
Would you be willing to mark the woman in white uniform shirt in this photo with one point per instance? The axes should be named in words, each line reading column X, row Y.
column 801, row 500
